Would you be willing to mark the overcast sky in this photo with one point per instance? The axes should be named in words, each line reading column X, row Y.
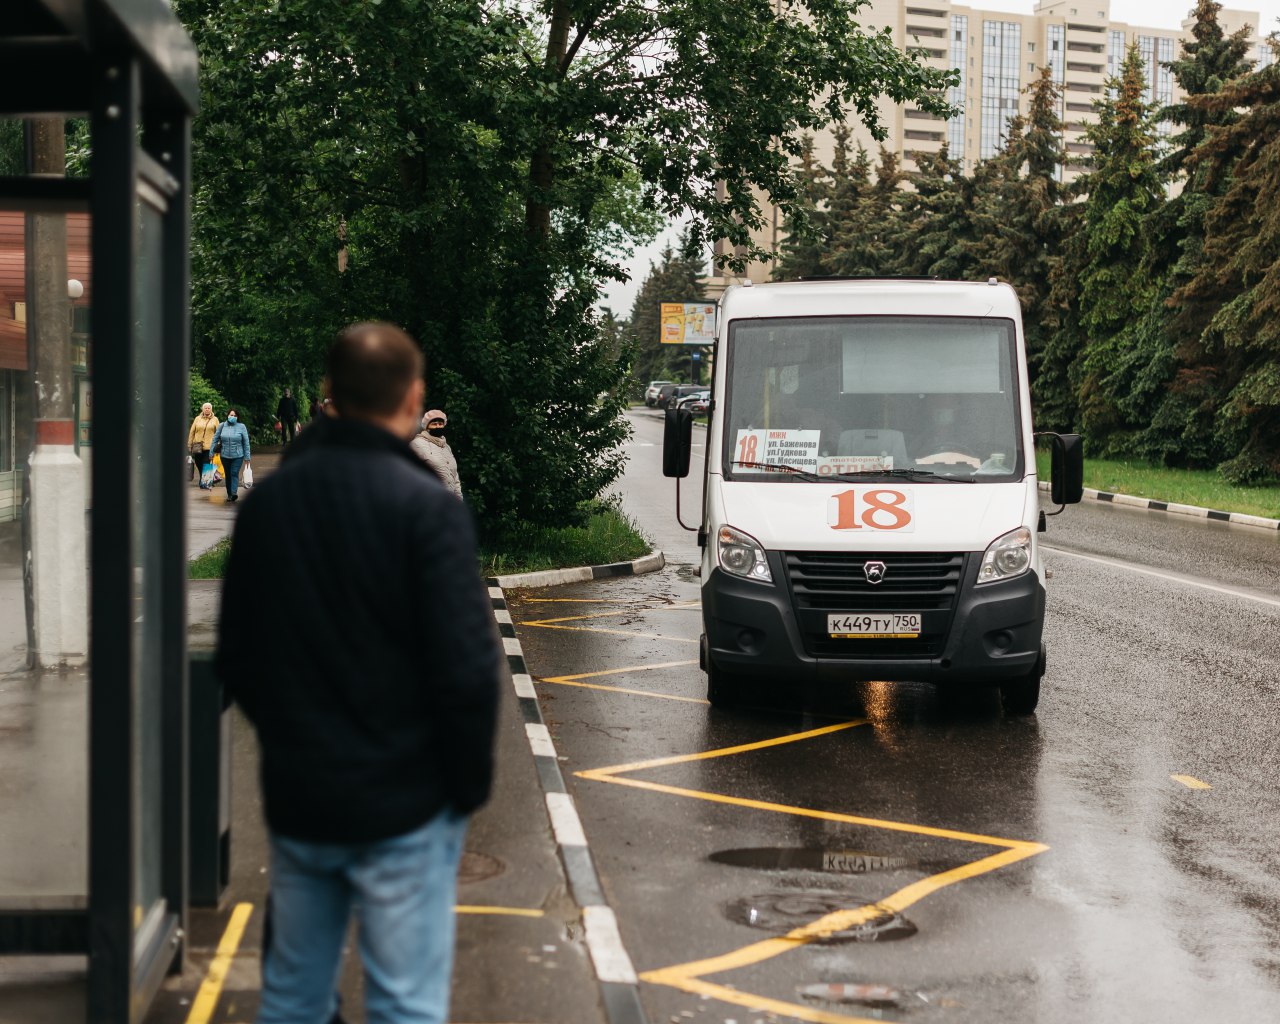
column 1154, row 13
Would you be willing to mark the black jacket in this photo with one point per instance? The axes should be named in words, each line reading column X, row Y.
column 373, row 686
column 287, row 409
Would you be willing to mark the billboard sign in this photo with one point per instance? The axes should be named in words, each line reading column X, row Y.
column 688, row 323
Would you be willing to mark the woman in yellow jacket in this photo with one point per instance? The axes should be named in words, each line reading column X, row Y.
column 200, row 439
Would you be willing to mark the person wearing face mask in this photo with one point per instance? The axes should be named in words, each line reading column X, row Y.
column 200, row 440
column 431, row 447
column 231, row 442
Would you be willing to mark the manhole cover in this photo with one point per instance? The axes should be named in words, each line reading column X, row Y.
column 780, row 912
column 476, row 867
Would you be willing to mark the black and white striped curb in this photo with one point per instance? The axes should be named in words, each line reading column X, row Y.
column 651, row 562
column 619, row 987
column 1240, row 518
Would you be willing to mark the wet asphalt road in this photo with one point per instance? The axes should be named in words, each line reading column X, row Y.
column 970, row 867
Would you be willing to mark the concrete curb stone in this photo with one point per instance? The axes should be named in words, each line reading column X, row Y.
column 1240, row 518
column 651, row 562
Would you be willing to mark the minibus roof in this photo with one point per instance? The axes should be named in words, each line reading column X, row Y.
column 880, row 297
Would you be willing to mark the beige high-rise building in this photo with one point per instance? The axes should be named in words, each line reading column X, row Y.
column 998, row 55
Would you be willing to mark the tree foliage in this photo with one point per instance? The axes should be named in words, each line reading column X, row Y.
column 475, row 170
column 1150, row 284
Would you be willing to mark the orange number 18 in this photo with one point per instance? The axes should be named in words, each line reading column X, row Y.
column 879, row 505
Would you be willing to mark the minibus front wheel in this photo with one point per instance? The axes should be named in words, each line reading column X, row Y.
column 1020, row 696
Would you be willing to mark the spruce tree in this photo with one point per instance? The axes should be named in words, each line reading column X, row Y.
column 933, row 218
column 850, row 181
column 804, row 246
column 1123, row 190
column 862, row 242
column 1181, row 430
column 1231, row 306
column 1034, row 196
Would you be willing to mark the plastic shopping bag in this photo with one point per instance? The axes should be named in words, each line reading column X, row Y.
column 206, row 475
column 246, row 477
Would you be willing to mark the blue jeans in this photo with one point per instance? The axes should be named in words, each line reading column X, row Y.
column 402, row 891
column 231, row 473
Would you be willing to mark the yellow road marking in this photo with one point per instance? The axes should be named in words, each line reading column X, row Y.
column 613, row 632
column 606, row 774
column 809, row 812
column 575, row 680
column 1190, row 781
column 690, row 977
column 566, row 600
column 618, row 671
column 506, row 911
column 614, row 614
column 623, row 689
column 206, row 1000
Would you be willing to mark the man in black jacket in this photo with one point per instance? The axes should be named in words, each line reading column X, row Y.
column 287, row 416
column 373, row 691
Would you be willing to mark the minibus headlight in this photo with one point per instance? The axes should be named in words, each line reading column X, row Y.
column 1007, row 556
column 740, row 555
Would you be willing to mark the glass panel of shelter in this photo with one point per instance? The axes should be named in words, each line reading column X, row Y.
column 46, row 434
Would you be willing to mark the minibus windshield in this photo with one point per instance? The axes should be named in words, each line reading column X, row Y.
column 929, row 398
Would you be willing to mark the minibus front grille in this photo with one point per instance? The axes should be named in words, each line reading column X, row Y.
column 836, row 581
column 825, row 646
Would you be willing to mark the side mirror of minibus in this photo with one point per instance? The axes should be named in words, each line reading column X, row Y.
column 677, row 443
column 1066, row 473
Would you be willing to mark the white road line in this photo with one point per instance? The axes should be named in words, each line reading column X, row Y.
column 1115, row 563
column 539, row 740
column 605, row 944
column 564, row 819
column 511, row 645
column 502, row 616
column 524, row 685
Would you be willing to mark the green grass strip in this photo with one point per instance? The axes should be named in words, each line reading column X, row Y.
column 211, row 564
column 608, row 536
column 1200, row 487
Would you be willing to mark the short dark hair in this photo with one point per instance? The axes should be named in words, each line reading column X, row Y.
column 371, row 367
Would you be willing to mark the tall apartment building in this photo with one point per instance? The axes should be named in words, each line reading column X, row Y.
column 998, row 55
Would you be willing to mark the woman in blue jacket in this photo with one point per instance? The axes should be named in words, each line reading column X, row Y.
column 231, row 442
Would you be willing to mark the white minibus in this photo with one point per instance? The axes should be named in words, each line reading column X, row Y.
column 870, row 508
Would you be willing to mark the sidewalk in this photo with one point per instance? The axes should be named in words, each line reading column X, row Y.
column 521, row 954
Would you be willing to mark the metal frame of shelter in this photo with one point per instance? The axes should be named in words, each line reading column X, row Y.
column 131, row 68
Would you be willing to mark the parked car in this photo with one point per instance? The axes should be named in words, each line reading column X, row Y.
column 669, row 394
column 696, row 401
column 651, row 392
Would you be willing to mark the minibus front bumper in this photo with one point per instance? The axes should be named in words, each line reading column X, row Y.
column 989, row 634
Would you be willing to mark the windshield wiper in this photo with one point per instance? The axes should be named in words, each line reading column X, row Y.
column 908, row 474
column 802, row 474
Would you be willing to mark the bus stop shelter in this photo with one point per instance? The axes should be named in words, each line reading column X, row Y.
column 96, row 101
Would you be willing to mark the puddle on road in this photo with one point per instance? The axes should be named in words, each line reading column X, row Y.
column 781, row 912
column 476, row 867
column 810, row 858
column 689, row 572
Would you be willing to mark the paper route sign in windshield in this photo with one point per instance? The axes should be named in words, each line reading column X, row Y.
column 777, row 451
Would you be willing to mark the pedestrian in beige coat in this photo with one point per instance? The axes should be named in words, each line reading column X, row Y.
column 200, row 439
column 431, row 447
